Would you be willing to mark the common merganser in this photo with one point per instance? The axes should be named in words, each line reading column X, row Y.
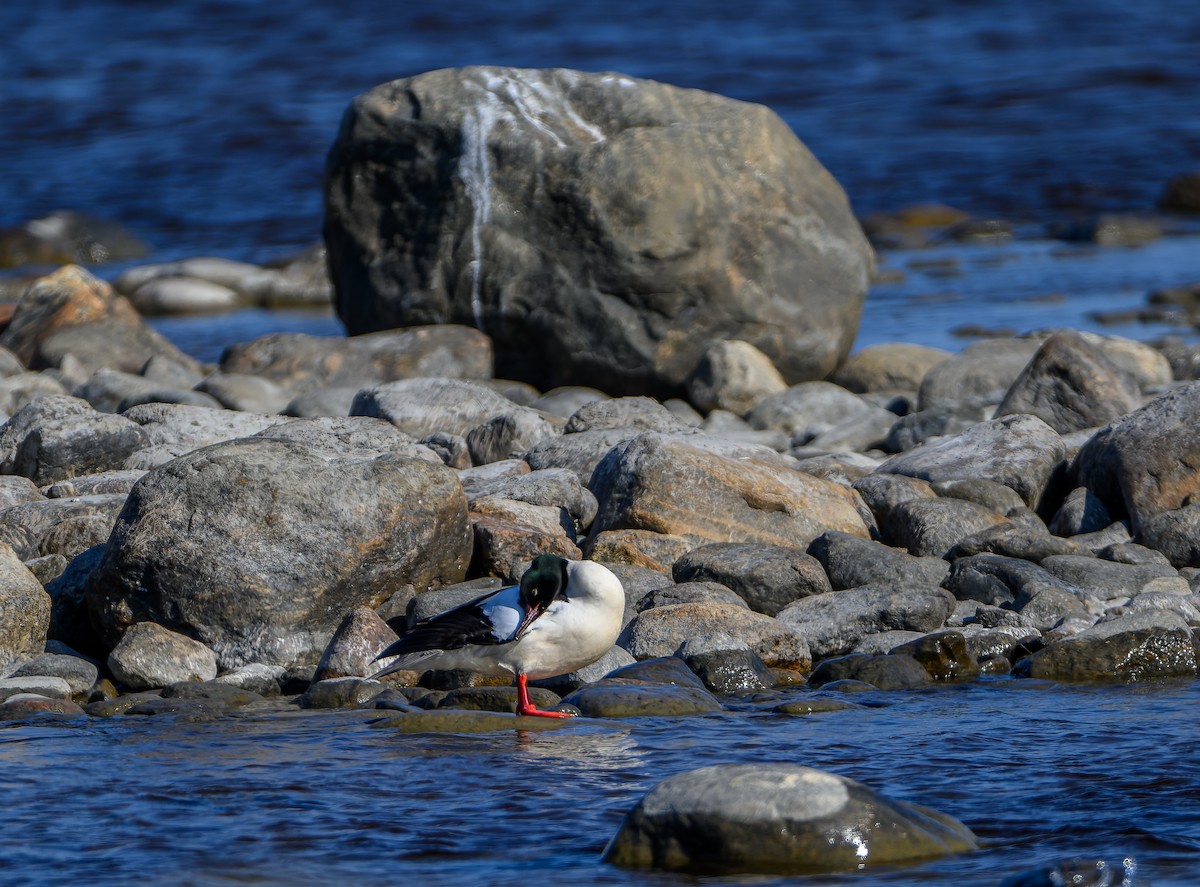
column 562, row 616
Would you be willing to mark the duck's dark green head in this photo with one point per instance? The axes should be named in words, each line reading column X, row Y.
column 544, row 582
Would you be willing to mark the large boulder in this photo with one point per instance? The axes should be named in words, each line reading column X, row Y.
column 593, row 225
column 258, row 547
column 24, row 611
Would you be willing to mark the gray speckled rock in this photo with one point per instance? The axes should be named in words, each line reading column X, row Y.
column 1021, row 452
column 630, row 699
column 1175, row 533
column 425, row 406
column 79, row 673
column 733, row 376
column 777, row 818
column 766, row 577
column 340, row 693
column 889, row 671
column 979, row 375
column 833, row 623
column 851, row 561
column 352, row 649
column 149, row 656
column 24, row 611
column 660, row 632
column 932, row 527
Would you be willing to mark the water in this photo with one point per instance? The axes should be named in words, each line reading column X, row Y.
column 1039, row 772
column 203, row 126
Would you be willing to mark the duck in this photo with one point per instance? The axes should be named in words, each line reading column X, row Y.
column 561, row 616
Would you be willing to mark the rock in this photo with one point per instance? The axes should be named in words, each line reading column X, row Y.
column 548, row 520
column 116, row 482
column 427, row 406
column 850, row 561
column 1021, row 452
column 26, row 705
column 73, row 312
column 895, row 366
column 16, row 490
column 342, row 437
column 223, row 693
column 67, row 236
column 777, row 819
column 1176, row 534
column 726, row 665
column 504, row 547
column 1182, row 193
column 149, row 656
column 567, row 683
column 1139, row 646
column 1105, row 579
column 669, row 484
column 833, row 623
column 661, row 630
column 110, row 391
column 979, row 375
column 507, row 436
column 1031, row 544
column 883, row 492
column 630, row 414
column 690, row 593
column 497, row 699
column 237, row 391
column 335, row 400
column 457, row 721
column 340, row 693
column 579, row 453
column 258, row 547
column 1071, row 385
column 806, row 410
column 891, row 671
column 766, row 577
column 916, row 428
column 17, row 391
column 943, row 654
column 733, row 376
column 661, row 670
column 39, row 685
column 606, row 699
column 304, row 363
column 265, row 680
column 566, row 400
column 352, row 649
column 24, row 611
column 644, row 548
column 79, row 673
column 1148, row 461
column 1081, row 512
column 841, row 468
column 56, row 437
column 225, row 273
column 1110, row 229
column 183, row 295
column 933, row 527
column 67, row 527
column 678, row 189
column 998, row 581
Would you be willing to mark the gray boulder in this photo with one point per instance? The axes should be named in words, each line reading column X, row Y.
column 1142, row 645
column 766, row 577
column 1176, row 534
column 888, row 671
column 893, row 366
column 56, row 437
column 427, row 406
column 594, row 225
column 980, row 375
column 1021, row 452
column 777, row 819
column 850, row 561
column 733, row 376
column 1071, row 385
column 932, row 527
column 1147, row 461
column 660, row 631
column 149, row 656
column 259, row 547
column 833, row 623
column 66, row 526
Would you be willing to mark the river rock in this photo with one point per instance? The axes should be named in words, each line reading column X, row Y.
column 670, row 484
column 257, row 677
column 807, row 409
column 1148, row 461
column 631, row 699
column 998, row 581
column 149, row 656
column 633, row 414
column 56, row 437
column 65, row 526
column 644, row 204
column 1028, row 543
column 508, row 435
column 889, row 671
column 111, row 391
column 883, row 492
column 504, row 547
column 239, row 391
column 340, row 693
column 563, row 684
column 933, row 527
column 766, row 577
column 496, row 699
column 1139, row 646
column 645, row 548
column 690, row 593
column 79, row 673
column 348, row 437
column 851, row 561
column 51, row 687
column 943, row 654
column 1175, row 533
column 258, row 547
column 1081, row 512
column 1021, row 452
column 661, row 630
column 1071, row 385
column 24, row 611
column 894, row 366
column 777, row 818
column 916, row 428
column 352, row 650
column 426, row 406
column 833, row 623
column 303, row 363
column 733, row 376
column 72, row 312
column 180, row 428
column 979, row 375
column 726, row 665
column 1105, row 579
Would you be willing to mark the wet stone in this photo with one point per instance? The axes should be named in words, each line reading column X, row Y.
column 459, row 721
column 502, row 699
column 618, row 699
column 943, row 654
column 892, row 671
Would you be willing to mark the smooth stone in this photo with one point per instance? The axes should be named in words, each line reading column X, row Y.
column 690, row 593
column 257, row 677
column 813, row 705
column 1139, row 646
column 606, row 699
column 659, row 670
column 890, row 671
column 32, row 705
column 352, row 650
column 39, row 685
column 79, row 673
column 25, row 610
column 149, row 656
column 726, row 665
column 340, row 693
column 220, row 692
column 1176, row 534
column 766, row 577
column 979, row 375
column 934, row 527
column 851, row 561
column 943, row 654
column 733, row 375
column 777, row 819
column 497, row 699
column 892, row 366
column 462, row 721
column 662, row 630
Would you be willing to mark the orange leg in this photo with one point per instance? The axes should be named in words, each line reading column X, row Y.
column 526, row 707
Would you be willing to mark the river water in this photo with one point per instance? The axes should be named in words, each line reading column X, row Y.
column 202, row 126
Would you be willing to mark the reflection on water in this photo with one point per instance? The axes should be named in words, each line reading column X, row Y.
column 1040, row 772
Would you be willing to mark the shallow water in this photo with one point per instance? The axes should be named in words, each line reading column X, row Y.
column 1040, row 772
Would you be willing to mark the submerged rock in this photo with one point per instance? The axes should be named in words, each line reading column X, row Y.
column 777, row 818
